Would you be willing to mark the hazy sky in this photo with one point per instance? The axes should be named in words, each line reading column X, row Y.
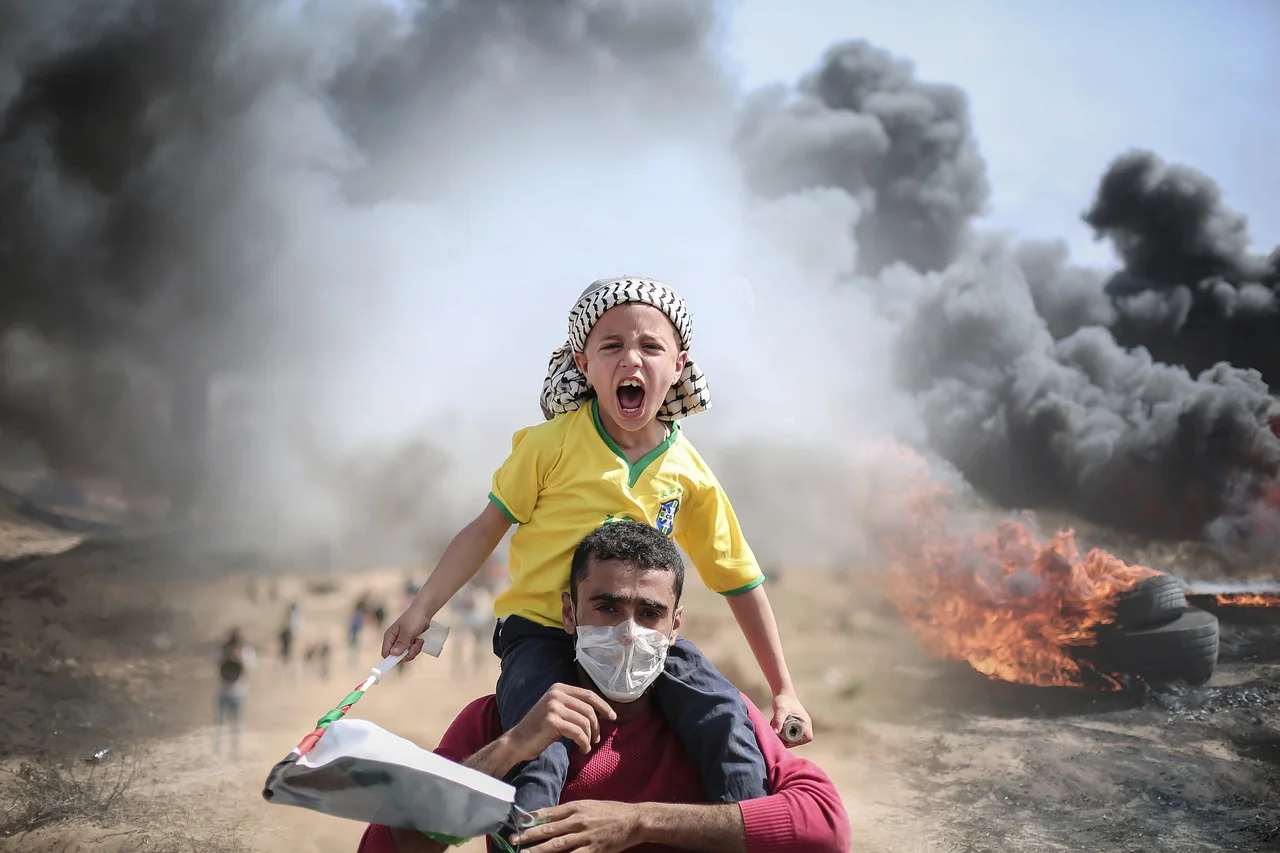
column 1059, row 88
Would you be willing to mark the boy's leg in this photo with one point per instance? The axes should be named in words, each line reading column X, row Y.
column 534, row 657
column 711, row 720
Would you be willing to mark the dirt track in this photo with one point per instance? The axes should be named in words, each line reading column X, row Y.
column 929, row 756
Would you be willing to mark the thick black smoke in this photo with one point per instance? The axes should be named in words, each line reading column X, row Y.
column 1009, row 351
column 1079, row 422
column 161, row 162
column 1190, row 291
column 132, row 232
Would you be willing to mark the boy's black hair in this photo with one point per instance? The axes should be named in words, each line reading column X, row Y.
column 630, row 541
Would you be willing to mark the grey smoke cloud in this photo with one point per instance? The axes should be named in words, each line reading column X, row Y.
column 373, row 216
column 1009, row 350
column 376, row 216
column 904, row 148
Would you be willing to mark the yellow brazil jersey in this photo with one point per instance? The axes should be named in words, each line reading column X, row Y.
column 566, row 477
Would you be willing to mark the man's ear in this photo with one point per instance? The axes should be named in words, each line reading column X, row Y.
column 682, row 359
column 675, row 622
column 580, row 359
column 566, row 612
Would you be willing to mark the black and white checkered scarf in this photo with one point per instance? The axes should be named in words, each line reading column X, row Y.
column 565, row 388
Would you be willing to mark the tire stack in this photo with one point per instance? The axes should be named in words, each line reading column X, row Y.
column 1158, row 637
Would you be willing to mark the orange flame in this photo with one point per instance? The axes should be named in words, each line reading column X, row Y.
column 1248, row 599
column 1013, row 605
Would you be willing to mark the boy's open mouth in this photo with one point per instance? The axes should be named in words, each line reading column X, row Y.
column 630, row 397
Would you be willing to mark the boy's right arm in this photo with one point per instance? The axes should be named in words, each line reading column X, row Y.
column 461, row 562
column 516, row 485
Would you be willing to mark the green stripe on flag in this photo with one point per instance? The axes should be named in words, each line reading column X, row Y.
column 441, row 838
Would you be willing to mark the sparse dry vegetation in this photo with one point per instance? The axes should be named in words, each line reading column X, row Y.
column 80, row 669
column 46, row 795
column 928, row 756
column 65, row 807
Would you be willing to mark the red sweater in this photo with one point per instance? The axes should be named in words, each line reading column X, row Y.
column 642, row 761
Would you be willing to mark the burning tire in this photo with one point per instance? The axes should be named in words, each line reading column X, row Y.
column 1155, row 601
column 1185, row 649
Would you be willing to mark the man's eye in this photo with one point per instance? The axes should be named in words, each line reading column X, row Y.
column 605, row 608
column 650, row 614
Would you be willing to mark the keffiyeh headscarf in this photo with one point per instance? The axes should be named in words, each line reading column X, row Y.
column 565, row 388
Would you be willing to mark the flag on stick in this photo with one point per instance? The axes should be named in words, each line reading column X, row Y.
column 355, row 769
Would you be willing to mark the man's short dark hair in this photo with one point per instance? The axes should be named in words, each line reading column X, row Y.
column 629, row 541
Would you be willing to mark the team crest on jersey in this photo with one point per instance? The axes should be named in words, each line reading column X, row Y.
column 666, row 520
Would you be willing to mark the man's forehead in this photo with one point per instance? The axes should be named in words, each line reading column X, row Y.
column 623, row 579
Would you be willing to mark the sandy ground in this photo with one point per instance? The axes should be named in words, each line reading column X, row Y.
column 112, row 645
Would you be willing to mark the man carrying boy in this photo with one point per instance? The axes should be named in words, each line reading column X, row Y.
column 630, row 782
column 611, row 449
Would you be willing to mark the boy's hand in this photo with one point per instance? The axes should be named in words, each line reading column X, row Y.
column 788, row 705
column 404, row 632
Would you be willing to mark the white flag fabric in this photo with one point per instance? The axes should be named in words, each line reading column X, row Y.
column 360, row 771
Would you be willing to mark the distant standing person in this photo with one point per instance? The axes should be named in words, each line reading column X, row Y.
column 355, row 624
column 317, row 656
column 289, row 632
column 411, row 587
column 235, row 659
column 473, row 609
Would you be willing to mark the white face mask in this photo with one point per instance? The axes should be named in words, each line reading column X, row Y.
column 623, row 660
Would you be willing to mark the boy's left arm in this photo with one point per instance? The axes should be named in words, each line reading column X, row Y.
column 754, row 615
column 713, row 539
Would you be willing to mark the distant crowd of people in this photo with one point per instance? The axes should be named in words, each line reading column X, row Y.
column 471, row 629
